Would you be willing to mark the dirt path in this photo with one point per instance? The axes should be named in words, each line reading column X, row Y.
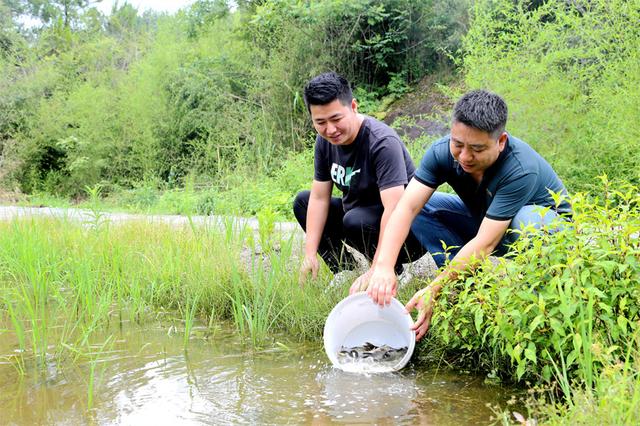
column 88, row 216
column 425, row 111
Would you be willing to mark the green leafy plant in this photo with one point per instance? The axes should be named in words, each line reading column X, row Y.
column 563, row 304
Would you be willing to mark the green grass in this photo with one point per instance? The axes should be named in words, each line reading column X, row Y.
column 80, row 279
column 561, row 312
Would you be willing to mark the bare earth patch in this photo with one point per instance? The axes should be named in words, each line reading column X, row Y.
column 424, row 111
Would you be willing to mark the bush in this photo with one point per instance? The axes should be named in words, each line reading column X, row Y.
column 212, row 92
column 561, row 305
column 569, row 72
column 274, row 192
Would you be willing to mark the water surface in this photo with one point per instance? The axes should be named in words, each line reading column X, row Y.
column 145, row 377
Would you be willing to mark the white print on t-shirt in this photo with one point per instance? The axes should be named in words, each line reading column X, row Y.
column 341, row 176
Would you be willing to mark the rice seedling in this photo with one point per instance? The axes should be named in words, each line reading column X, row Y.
column 189, row 312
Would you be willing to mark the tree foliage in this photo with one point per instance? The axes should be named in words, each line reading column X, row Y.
column 65, row 11
column 568, row 71
column 210, row 93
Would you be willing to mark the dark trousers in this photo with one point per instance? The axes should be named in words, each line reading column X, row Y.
column 445, row 218
column 359, row 228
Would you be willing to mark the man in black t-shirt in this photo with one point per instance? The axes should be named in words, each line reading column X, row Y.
column 368, row 162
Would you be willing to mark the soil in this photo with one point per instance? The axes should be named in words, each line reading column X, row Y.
column 8, row 197
column 423, row 112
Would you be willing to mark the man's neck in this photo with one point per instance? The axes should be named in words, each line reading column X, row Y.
column 360, row 120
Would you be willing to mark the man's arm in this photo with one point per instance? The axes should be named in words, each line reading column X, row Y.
column 390, row 198
column 486, row 240
column 483, row 244
column 383, row 281
column 317, row 213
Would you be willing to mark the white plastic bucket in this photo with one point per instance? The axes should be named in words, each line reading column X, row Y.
column 357, row 320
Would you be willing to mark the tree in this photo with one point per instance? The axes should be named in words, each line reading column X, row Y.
column 50, row 10
column 9, row 7
column 9, row 35
column 204, row 12
column 5, row 16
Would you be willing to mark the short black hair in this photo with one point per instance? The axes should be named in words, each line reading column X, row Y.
column 482, row 110
column 325, row 88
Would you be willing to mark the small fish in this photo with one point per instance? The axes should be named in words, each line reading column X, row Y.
column 369, row 351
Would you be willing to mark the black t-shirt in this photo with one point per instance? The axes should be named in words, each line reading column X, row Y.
column 376, row 160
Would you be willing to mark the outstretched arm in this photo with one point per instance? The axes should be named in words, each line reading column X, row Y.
column 486, row 240
column 390, row 198
column 383, row 281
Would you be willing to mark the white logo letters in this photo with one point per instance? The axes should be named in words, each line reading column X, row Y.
column 341, row 176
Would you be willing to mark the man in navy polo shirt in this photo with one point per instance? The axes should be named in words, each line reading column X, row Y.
column 501, row 183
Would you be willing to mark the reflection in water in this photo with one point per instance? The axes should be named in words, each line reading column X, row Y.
column 367, row 397
column 146, row 378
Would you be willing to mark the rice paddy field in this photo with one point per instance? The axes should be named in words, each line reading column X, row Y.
column 111, row 321
column 129, row 322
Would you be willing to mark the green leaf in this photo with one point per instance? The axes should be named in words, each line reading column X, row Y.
column 478, row 319
column 622, row 323
column 577, row 341
column 536, row 322
column 521, row 369
column 530, row 352
column 517, row 351
column 556, row 326
column 546, row 373
column 541, row 303
column 509, row 349
column 604, row 307
column 612, row 349
column 584, row 275
column 608, row 265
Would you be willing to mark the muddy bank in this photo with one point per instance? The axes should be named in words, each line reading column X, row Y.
column 425, row 111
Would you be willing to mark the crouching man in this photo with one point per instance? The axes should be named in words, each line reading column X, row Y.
column 500, row 182
column 368, row 163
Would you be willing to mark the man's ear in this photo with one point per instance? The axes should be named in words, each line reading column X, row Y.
column 354, row 105
column 502, row 140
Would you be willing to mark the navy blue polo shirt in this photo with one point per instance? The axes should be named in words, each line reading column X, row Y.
column 519, row 177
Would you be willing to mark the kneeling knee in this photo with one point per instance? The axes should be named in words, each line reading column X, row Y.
column 301, row 200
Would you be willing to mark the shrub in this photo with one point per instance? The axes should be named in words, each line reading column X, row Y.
column 561, row 305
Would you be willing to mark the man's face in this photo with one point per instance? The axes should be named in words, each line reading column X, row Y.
column 337, row 123
column 475, row 150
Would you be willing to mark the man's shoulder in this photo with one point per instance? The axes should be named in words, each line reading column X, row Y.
column 441, row 143
column 379, row 130
column 440, row 148
column 523, row 155
column 320, row 140
column 518, row 144
column 321, row 144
